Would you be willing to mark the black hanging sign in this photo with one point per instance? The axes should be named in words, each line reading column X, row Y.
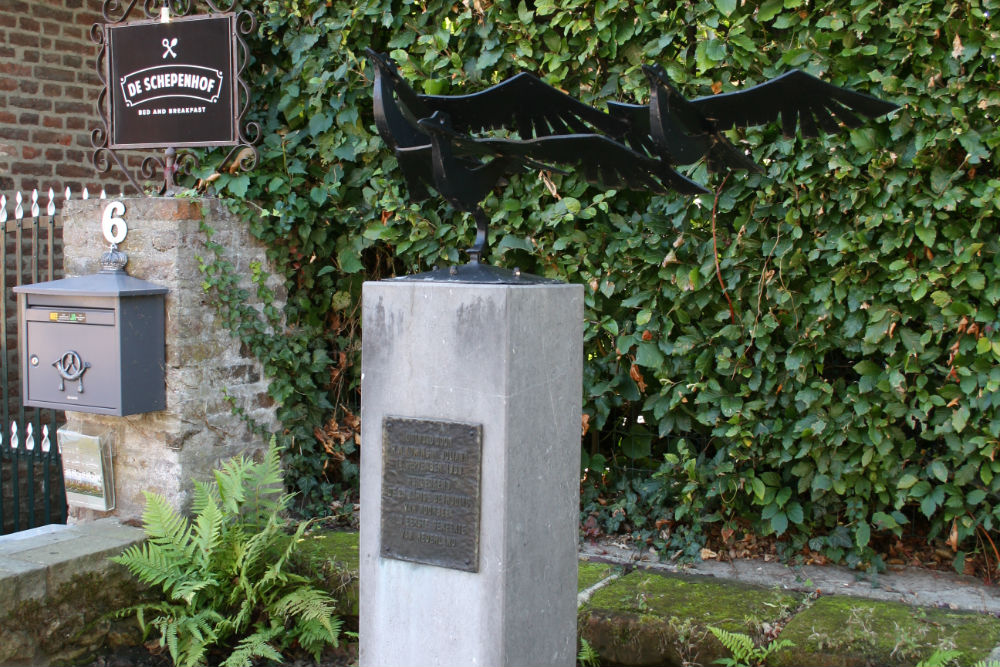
column 173, row 84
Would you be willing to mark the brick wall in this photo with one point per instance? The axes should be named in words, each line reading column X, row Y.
column 48, row 94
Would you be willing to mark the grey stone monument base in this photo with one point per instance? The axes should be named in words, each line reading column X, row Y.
column 509, row 359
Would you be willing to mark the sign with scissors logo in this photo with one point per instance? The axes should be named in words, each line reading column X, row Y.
column 173, row 84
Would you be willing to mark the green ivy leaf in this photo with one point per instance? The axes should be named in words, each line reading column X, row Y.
column 862, row 534
column 795, row 513
column 926, row 235
column 769, row 10
column 238, row 185
column 779, row 523
column 649, row 355
column 960, row 418
column 726, row 7
column 349, row 261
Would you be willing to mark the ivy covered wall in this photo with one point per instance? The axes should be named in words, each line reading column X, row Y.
column 849, row 390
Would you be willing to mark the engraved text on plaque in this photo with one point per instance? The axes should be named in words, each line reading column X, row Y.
column 431, row 491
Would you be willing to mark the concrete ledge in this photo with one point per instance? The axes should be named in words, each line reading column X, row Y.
column 45, row 602
column 33, row 563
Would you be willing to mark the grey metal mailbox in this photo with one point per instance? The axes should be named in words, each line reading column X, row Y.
column 93, row 344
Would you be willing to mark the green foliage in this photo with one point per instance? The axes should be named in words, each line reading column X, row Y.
column 852, row 388
column 940, row 658
column 298, row 364
column 225, row 576
column 587, row 657
column 745, row 653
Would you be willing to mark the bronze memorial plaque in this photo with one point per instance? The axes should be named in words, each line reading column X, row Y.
column 431, row 472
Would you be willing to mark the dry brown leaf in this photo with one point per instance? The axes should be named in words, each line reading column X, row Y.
column 203, row 182
column 242, row 155
column 636, row 376
column 546, row 179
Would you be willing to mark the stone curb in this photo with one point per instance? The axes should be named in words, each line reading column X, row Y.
column 33, row 563
column 55, row 582
column 635, row 611
column 646, row 617
column 911, row 586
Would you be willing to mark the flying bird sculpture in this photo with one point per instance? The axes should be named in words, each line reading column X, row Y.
column 436, row 138
column 683, row 131
column 599, row 159
column 430, row 135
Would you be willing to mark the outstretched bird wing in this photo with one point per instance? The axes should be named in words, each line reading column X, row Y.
column 609, row 163
column 799, row 99
column 396, row 105
column 526, row 105
column 601, row 160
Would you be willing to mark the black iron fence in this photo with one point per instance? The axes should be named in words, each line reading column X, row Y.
column 31, row 481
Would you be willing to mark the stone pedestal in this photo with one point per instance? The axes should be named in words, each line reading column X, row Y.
column 166, row 451
column 507, row 359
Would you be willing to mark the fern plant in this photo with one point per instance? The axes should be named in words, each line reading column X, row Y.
column 225, row 576
column 745, row 652
column 940, row 658
column 587, row 657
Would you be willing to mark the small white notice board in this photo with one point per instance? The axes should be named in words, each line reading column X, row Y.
column 87, row 469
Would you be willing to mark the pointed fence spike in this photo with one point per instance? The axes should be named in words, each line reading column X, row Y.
column 50, row 210
column 45, row 438
column 103, row 194
column 34, row 203
column 86, row 195
column 68, row 194
column 18, row 209
column 3, row 208
column 13, row 435
column 29, row 437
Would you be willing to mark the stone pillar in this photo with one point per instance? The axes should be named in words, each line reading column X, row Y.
column 166, row 451
column 509, row 359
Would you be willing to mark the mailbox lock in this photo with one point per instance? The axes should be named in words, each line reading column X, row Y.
column 34, row 360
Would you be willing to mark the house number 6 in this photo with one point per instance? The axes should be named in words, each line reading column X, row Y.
column 113, row 224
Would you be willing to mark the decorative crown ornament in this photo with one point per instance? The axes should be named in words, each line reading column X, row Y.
column 114, row 260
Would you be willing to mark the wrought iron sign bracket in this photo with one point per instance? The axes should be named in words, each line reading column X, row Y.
column 170, row 81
